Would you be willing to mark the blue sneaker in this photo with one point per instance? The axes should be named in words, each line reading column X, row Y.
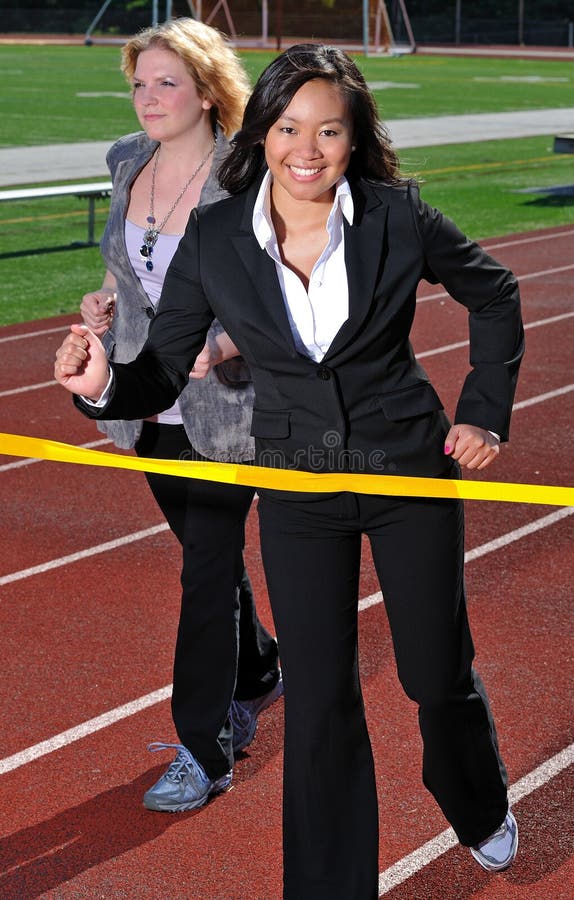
column 497, row 852
column 185, row 785
column 243, row 715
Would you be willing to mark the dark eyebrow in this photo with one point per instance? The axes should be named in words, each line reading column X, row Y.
column 325, row 122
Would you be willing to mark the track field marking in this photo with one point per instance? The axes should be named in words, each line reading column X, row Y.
column 541, row 398
column 527, row 277
column 83, row 554
column 414, row 862
column 80, row 731
column 27, row 387
column 31, row 334
column 141, row 535
column 531, row 239
column 512, row 242
column 29, row 461
column 444, row 349
column 459, row 344
column 9, row 763
column 554, row 271
column 502, row 541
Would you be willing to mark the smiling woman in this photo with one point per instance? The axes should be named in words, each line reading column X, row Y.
column 313, row 265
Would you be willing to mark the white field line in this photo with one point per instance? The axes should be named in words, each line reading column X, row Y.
column 29, row 461
column 541, row 398
column 32, row 334
column 424, row 353
column 497, row 246
column 140, row 535
column 411, row 864
column 83, row 554
column 10, row 763
column 496, row 544
column 531, row 239
column 27, row 387
column 527, row 277
column 414, row 862
column 551, row 320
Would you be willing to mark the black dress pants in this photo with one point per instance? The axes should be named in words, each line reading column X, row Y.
column 222, row 649
column 311, row 553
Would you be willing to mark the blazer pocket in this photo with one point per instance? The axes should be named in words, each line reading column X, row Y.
column 270, row 424
column 416, row 400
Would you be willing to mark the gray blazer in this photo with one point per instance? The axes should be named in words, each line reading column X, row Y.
column 216, row 410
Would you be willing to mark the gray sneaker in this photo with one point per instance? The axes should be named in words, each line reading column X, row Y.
column 185, row 785
column 497, row 852
column 243, row 715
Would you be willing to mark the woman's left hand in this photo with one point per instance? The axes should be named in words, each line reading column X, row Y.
column 473, row 447
column 204, row 362
column 217, row 349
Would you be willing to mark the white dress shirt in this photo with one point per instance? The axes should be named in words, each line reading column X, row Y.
column 316, row 314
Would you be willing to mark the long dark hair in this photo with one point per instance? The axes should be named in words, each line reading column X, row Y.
column 373, row 157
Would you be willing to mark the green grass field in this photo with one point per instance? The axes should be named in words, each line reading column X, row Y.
column 64, row 94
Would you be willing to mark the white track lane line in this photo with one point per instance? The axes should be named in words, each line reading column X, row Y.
column 27, row 387
column 539, row 323
column 81, row 731
column 424, row 353
column 531, row 239
column 140, row 535
column 527, row 277
column 496, row 544
column 542, row 398
column 83, row 554
column 9, row 763
column 412, row 864
column 32, row 334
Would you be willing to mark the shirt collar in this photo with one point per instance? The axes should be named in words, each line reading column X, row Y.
column 262, row 222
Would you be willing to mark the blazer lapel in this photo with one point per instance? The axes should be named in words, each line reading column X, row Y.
column 261, row 271
column 365, row 243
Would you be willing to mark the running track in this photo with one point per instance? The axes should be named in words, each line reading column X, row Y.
column 88, row 611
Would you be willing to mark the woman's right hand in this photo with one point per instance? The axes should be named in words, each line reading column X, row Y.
column 81, row 363
column 97, row 309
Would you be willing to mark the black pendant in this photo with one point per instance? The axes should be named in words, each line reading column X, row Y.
column 144, row 251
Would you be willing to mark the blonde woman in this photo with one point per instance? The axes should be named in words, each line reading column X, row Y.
column 189, row 91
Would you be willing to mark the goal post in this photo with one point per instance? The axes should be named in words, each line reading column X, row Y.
column 387, row 28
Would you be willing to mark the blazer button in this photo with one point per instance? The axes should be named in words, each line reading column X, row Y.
column 149, row 311
column 323, row 373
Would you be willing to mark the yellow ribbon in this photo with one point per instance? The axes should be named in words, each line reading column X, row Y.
column 291, row 480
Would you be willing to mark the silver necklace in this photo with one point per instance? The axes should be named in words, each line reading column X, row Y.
column 151, row 233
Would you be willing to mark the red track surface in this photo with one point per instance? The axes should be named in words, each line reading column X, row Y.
column 82, row 638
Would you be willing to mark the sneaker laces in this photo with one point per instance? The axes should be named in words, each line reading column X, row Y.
column 184, row 763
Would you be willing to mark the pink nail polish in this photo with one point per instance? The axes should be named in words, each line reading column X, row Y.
column 447, row 448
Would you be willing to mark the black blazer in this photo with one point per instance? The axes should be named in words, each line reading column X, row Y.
column 368, row 405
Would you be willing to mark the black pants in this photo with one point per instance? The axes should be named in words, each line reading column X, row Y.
column 222, row 649
column 311, row 553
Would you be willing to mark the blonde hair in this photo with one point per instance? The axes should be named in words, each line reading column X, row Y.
column 213, row 65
